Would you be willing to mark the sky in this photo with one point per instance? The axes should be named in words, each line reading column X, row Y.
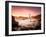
column 25, row 11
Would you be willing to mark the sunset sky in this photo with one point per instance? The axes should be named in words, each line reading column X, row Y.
column 25, row 11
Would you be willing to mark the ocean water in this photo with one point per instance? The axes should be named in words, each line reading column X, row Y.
column 27, row 22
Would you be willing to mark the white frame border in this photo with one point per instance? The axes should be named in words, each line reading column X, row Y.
column 30, row 31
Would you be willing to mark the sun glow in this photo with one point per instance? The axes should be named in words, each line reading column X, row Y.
column 23, row 15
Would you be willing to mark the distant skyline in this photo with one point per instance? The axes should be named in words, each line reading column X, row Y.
column 25, row 11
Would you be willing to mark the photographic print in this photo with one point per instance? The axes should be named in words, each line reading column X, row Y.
column 25, row 18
